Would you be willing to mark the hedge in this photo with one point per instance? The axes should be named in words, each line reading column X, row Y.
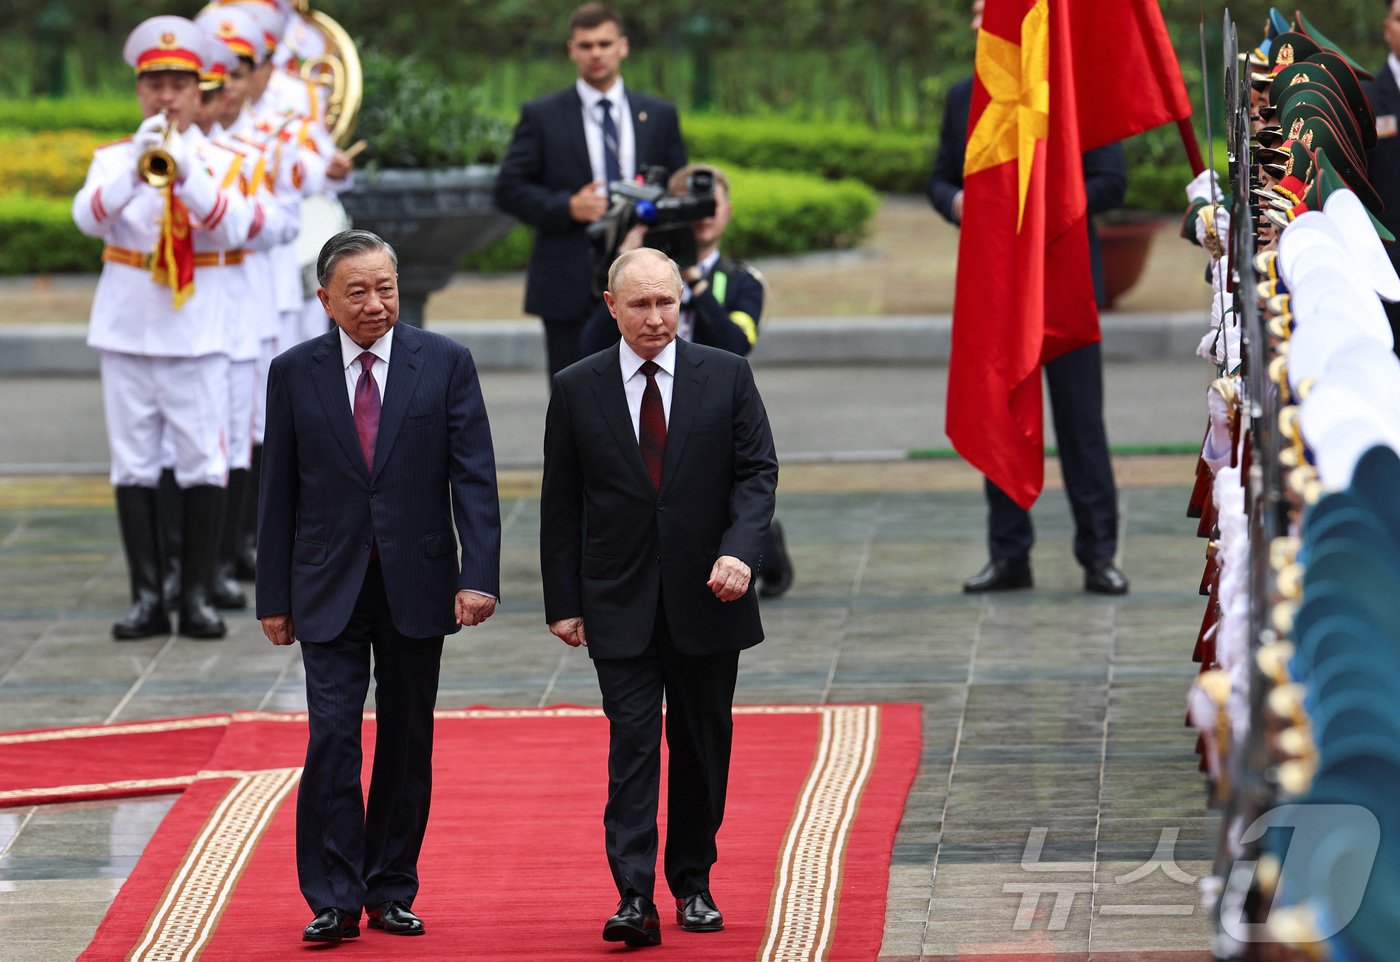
column 775, row 212
column 885, row 160
column 113, row 116
column 37, row 236
column 49, row 163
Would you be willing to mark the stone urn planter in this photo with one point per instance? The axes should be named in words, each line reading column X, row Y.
column 433, row 218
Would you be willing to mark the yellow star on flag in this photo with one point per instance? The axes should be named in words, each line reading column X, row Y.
column 1018, row 114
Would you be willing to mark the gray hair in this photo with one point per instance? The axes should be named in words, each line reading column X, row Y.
column 619, row 267
column 346, row 244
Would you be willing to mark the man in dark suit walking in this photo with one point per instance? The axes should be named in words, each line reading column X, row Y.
column 1383, row 162
column 1075, row 381
column 363, row 504
column 567, row 146
column 659, row 483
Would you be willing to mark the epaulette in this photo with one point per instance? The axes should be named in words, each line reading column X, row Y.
column 113, row 143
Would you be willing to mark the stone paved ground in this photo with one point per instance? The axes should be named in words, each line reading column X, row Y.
column 1045, row 710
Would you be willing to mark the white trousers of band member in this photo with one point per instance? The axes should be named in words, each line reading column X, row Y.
column 242, row 382
column 145, row 397
column 314, row 321
column 267, row 350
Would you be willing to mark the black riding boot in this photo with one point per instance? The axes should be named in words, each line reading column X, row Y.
column 170, row 506
column 224, row 592
column 203, row 517
column 246, row 556
column 775, row 573
column 136, row 517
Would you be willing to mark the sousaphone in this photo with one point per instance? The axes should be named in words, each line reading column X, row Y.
column 338, row 70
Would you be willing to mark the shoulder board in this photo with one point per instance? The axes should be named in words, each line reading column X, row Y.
column 231, row 148
column 113, row 143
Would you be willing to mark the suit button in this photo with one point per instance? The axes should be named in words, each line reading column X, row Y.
column 373, row 495
column 661, row 506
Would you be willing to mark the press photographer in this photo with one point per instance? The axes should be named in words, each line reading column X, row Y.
column 720, row 307
column 646, row 214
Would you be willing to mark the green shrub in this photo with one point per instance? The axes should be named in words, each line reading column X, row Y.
column 886, row 160
column 775, row 212
column 412, row 120
column 37, row 236
column 111, row 116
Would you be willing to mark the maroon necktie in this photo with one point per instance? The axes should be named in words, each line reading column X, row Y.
column 651, row 432
column 367, row 408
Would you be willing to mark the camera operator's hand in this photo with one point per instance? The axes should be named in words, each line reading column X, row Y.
column 633, row 239
column 587, row 204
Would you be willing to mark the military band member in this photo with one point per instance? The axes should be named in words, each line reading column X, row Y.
column 172, row 221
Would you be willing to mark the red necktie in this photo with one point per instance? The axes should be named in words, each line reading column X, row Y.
column 367, row 408
column 651, row 432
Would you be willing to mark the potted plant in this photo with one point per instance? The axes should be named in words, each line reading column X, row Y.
column 427, row 174
column 1157, row 174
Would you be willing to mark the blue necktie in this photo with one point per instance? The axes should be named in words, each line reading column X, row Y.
column 612, row 165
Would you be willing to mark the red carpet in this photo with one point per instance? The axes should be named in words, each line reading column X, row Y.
column 105, row 761
column 513, row 865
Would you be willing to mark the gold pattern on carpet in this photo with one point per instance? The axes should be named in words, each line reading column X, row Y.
column 188, row 913
column 808, row 882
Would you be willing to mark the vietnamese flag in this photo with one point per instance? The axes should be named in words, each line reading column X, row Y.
column 1054, row 78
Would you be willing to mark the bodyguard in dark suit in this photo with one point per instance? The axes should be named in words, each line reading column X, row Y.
column 1383, row 162
column 1075, row 381
column 566, row 148
column 377, row 462
column 659, row 482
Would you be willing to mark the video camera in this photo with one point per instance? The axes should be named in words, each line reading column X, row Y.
column 668, row 219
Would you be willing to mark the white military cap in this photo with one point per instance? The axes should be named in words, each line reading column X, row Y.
column 1345, row 210
column 165, row 43
column 237, row 29
column 219, row 62
column 271, row 18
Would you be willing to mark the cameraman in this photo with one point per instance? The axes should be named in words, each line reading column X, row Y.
column 720, row 307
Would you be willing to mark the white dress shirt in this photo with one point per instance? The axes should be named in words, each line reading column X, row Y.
column 634, row 382
column 350, row 355
column 593, row 128
column 1393, row 62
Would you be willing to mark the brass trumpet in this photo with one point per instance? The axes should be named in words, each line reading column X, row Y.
column 156, row 167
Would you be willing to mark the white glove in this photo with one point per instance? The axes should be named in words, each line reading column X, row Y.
column 1216, row 451
column 178, row 148
column 149, row 134
column 1199, row 188
column 1222, row 225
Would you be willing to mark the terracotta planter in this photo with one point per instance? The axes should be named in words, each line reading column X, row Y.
column 1124, row 244
column 433, row 218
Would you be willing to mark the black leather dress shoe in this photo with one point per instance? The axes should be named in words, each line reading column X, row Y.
column 697, row 913
column 636, row 922
column 1000, row 575
column 332, row 925
column 1104, row 578
column 396, row 918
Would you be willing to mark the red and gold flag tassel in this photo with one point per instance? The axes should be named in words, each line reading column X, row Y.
column 173, row 261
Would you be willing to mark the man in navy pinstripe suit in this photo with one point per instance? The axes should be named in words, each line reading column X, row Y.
column 377, row 463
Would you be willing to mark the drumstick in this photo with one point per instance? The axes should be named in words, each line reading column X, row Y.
column 355, row 149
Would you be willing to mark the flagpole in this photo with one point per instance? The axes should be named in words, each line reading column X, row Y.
column 1193, row 149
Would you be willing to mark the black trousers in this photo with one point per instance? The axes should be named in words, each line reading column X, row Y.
column 562, row 341
column 1075, row 381
column 353, row 853
column 699, row 694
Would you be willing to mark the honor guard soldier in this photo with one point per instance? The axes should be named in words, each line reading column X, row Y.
column 171, row 219
column 250, row 308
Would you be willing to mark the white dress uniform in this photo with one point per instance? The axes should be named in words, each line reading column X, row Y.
column 164, row 342
column 162, row 365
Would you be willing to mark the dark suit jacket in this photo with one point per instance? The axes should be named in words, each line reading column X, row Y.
column 613, row 548
column 546, row 164
column 320, row 506
column 1383, row 162
column 1105, row 173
